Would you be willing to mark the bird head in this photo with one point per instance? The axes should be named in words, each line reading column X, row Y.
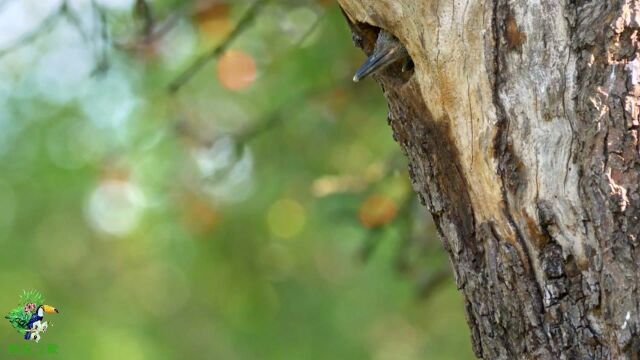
column 388, row 50
column 48, row 309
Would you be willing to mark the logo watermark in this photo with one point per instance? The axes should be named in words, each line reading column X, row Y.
column 28, row 317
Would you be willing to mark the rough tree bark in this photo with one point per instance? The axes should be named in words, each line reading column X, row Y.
column 520, row 123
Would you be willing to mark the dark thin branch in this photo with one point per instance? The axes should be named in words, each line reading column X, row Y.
column 74, row 20
column 48, row 23
column 276, row 117
column 163, row 28
column 298, row 43
column 102, row 49
column 270, row 121
column 65, row 12
column 202, row 60
column 142, row 10
column 156, row 33
column 309, row 31
column 95, row 38
column 152, row 30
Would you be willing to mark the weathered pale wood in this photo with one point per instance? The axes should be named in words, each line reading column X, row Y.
column 520, row 124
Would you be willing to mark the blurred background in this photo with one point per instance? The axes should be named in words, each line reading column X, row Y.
column 202, row 180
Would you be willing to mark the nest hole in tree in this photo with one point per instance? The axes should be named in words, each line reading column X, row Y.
column 365, row 37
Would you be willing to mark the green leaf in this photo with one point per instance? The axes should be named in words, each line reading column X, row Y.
column 18, row 319
column 31, row 297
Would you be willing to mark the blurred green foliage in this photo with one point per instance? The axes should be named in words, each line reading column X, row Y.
column 259, row 214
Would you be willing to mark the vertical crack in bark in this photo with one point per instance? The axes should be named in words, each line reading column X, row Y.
column 564, row 103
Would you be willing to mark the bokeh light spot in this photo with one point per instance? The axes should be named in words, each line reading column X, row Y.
column 377, row 210
column 236, row 70
column 60, row 75
column 115, row 207
column 286, row 218
column 109, row 102
column 226, row 174
column 213, row 19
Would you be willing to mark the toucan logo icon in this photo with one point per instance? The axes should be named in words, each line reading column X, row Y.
column 28, row 316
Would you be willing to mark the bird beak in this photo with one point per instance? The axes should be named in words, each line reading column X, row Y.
column 50, row 309
column 375, row 62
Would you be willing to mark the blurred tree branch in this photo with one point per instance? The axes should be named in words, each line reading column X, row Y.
column 268, row 122
column 245, row 21
column 103, row 34
column 150, row 29
column 142, row 10
column 47, row 24
column 64, row 11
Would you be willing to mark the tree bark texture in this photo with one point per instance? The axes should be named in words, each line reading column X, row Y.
column 520, row 123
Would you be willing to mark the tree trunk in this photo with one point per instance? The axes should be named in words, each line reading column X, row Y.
column 520, row 123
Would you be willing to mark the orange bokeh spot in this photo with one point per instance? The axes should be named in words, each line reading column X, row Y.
column 213, row 19
column 236, row 70
column 198, row 215
column 377, row 210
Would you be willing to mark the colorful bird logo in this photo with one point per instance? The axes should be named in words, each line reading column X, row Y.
column 28, row 316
